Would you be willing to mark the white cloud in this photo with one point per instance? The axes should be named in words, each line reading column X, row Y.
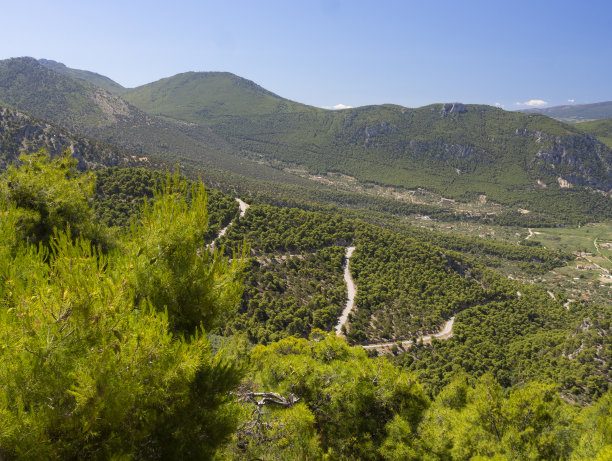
column 532, row 103
column 338, row 107
column 571, row 101
column 499, row 104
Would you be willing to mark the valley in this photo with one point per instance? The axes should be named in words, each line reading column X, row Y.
column 364, row 271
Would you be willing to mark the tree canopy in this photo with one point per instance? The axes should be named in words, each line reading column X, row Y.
column 106, row 348
column 98, row 360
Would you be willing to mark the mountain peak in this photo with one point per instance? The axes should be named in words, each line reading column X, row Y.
column 236, row 80
column 200, row 97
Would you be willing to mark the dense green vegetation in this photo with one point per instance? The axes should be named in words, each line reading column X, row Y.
column 105, row 355
column 346, row 401
column 305, row 291
column 122, row 192
column 278, row 288
column 601, row 129
column 290, row 297
column 222, row 123
column 522, row 339
column 406, row 285
column 90, row 365
column 270, row 229
column 48, row 195
column 352, row 407
column 480, row 421
column 407, row 288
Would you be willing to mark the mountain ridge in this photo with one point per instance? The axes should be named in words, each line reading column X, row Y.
column 575, row 113
column 85, row 75
column 87, row 109
column 191, row 103
column 460, row 151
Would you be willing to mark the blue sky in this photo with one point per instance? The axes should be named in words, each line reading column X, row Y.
column 330, row 52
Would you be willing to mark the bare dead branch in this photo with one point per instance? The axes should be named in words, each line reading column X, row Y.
column 264, row 398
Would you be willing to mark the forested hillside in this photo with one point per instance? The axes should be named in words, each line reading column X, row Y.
column 105, row 350
column 227, row 125
column 144, row 316
column 601, row 129
column 458, row 150
column 409, row 286
column 122, row 192
column 462, row 154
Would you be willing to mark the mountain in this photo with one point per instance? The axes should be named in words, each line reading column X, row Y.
column 81, row 107
column 221, row 122
column 85, row 75
column 21, row 133
column 576, row 112
column 201, row 97
column 601, row 129
column 458, row 150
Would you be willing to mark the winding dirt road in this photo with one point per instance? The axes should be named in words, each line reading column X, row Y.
column 445, row 333
column 603, row 269
column 352, row 291
column 243, row 207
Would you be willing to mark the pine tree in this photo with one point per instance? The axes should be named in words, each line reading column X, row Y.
column 92, row 366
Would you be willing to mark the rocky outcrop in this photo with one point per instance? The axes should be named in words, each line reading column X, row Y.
column 582, row 160
column 377, row 130
column 446, row 151
column 20, row 133
column 453, row 108
column 575, row 160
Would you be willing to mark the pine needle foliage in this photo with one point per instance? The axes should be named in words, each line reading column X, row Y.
column 91, row 365
column 173, row 269
column 51, row 194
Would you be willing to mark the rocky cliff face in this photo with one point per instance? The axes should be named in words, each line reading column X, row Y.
column 453, row 108
column 577, row 160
